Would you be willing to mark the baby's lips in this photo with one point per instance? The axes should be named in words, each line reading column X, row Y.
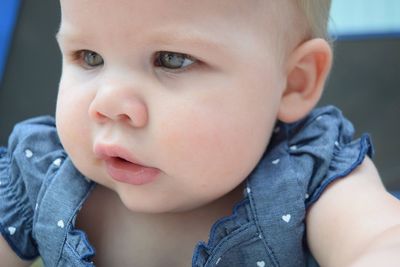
column 109, row 151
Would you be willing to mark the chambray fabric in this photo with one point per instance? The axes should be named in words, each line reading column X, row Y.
column 41, row 193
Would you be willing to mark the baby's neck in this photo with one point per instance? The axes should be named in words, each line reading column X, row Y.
column 122, row 235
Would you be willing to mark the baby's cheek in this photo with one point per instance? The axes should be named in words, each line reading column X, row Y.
column 69, row 124
column 189, row 140
column 72, row 123
column 209, row 148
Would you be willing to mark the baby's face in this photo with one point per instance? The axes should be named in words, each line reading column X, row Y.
column 169, row 103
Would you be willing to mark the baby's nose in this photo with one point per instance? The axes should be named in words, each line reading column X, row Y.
column 118, row 103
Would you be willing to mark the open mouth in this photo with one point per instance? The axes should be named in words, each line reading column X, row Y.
column 122, row 160
column 122, row 163
column 122, row 167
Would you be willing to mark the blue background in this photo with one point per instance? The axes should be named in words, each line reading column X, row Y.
column 365, row 18
column 8, row 14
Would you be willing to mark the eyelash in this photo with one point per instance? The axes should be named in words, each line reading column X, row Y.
column 80, row 57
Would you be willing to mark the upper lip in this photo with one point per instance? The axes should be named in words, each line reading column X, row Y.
column 108, row 151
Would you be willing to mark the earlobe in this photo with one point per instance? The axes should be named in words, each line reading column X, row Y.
column 307, row 69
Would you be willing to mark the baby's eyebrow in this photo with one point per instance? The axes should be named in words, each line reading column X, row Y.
column 189, row 37
column 65, row 36
column 59, row 34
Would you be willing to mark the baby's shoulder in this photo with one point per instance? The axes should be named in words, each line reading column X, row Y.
column 302, row 161
column 39, row 132
column 32, row 156
column 33, row 152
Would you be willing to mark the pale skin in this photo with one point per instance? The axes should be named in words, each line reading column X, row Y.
column 224, row 104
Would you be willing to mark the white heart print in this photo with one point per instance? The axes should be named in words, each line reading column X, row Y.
column 60, row 224
column 11, row 230
column 260, row 263
column 28, row 153
column 276, row 161
column 286, row 217
column 57, row 162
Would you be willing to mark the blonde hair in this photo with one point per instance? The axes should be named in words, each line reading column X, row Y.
column 317, row 15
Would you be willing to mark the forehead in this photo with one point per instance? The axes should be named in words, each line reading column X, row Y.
column 130, row 7
column 230, row 25
column 138, row 14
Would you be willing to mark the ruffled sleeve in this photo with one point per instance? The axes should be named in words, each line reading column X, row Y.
column 323, row 149
column 302, row 159
column 29, row 159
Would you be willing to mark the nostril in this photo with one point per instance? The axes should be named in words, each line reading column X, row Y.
column 98, row 116
column 124, row 118
column 132, row 112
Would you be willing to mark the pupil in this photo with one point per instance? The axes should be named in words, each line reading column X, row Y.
column 172, row 60
column 93, row 59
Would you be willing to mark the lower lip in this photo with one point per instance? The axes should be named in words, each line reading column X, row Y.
column 130, row 173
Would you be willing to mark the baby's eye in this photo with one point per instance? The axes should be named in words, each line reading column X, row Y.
column 172, row 60
column 91, row 58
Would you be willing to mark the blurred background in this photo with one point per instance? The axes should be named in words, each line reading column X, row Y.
column 364, row 82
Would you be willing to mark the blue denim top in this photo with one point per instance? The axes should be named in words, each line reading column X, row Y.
column 41, row 193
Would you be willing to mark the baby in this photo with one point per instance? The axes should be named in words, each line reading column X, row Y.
column 179, row 121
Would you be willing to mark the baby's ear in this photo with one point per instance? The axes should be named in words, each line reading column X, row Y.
column 307, row 69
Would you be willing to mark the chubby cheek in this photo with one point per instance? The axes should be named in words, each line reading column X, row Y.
column 70, row 112
column 210, row 152
column 73, row 125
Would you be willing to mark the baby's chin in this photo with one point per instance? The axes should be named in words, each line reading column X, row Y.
column 174, row 204
column 153, row 198
column 183, row 204
column 157, row 206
